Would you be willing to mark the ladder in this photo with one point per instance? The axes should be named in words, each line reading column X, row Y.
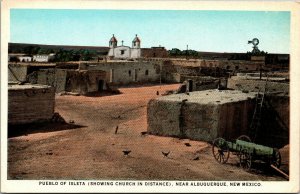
column 256, row 119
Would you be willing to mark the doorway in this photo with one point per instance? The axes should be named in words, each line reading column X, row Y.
column 190, row 85
column 135, row 75
column 100, row 85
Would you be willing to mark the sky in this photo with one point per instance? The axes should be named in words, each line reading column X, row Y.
column 212, row 31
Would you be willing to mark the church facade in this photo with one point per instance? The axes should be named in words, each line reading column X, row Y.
column 124, row 52
column 135, row 51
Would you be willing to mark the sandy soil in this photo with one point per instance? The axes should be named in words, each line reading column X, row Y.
column 88, row 148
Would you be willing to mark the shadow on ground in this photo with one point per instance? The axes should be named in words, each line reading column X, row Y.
column 25, row 129
column 102, row 94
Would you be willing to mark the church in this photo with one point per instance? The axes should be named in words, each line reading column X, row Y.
column 134, row 52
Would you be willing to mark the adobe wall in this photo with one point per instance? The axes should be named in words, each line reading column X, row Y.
column 205, row 115
column 201, row 82
column 30, row 103
column 276, row 110
column 128, row 72
column 60, row 80
column 46, row 77
column 135, row 53
column 197, row 67
column 275, row 121
column 17, row 72
column 154, row 52
column 252, row 84
column 222, row 64
column 83, row 81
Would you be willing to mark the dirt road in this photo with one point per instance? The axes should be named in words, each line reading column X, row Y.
column 88, row 147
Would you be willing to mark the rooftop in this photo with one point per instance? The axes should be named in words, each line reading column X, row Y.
column 27, row 86
column 210, row 96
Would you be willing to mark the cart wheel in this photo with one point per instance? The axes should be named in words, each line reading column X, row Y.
column 220, row 150
column 244, row 138
column 276, row 159
column 245, row 159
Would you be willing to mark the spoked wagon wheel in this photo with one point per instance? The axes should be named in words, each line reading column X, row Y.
column 245, row 159
column 244, row 138
column 276, row 158
column 220, row 150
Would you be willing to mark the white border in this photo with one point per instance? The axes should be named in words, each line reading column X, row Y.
column 266, row 186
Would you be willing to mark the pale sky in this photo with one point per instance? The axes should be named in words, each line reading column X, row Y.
column 214, row 31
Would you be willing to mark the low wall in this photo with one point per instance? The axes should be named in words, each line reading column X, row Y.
column 205, row 115
column 200, row 83
column 17, row 72
column 46, row 77
column 83, row 81
column 30, row 103
column 253, row 85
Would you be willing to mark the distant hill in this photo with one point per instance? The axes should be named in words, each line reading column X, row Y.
column 19, row 47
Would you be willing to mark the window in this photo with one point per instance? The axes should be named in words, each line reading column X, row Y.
column 129, row 73
column 146, row 72
column 236, row 67
column 122, row 52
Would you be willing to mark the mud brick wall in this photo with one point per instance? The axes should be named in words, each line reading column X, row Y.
column 46, row 77
column 17, row 72
column 60, row 80
column 250, row 85
column 83, row 81
column 129, row 72
column 205, row 116
column 30, row 103
column 201, row 82
column 154, row 52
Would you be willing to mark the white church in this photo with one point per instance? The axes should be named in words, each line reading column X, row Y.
column 124, row 52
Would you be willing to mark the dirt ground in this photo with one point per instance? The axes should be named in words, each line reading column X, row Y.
column 88, row 148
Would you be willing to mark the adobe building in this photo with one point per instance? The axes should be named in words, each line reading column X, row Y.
column 174, row 69
column 127, row 72
column 202, row 115
column 30, row 103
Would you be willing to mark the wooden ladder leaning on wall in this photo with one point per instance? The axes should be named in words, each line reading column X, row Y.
column 257, row 115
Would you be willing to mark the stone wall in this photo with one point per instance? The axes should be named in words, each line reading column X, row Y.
column 204, row 116
column 30, row 103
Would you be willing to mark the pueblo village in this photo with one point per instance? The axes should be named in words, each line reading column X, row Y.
column 125, row 112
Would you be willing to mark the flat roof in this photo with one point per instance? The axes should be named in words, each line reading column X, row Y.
column 33, row 64
column 27, row 86
column 210, row 96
